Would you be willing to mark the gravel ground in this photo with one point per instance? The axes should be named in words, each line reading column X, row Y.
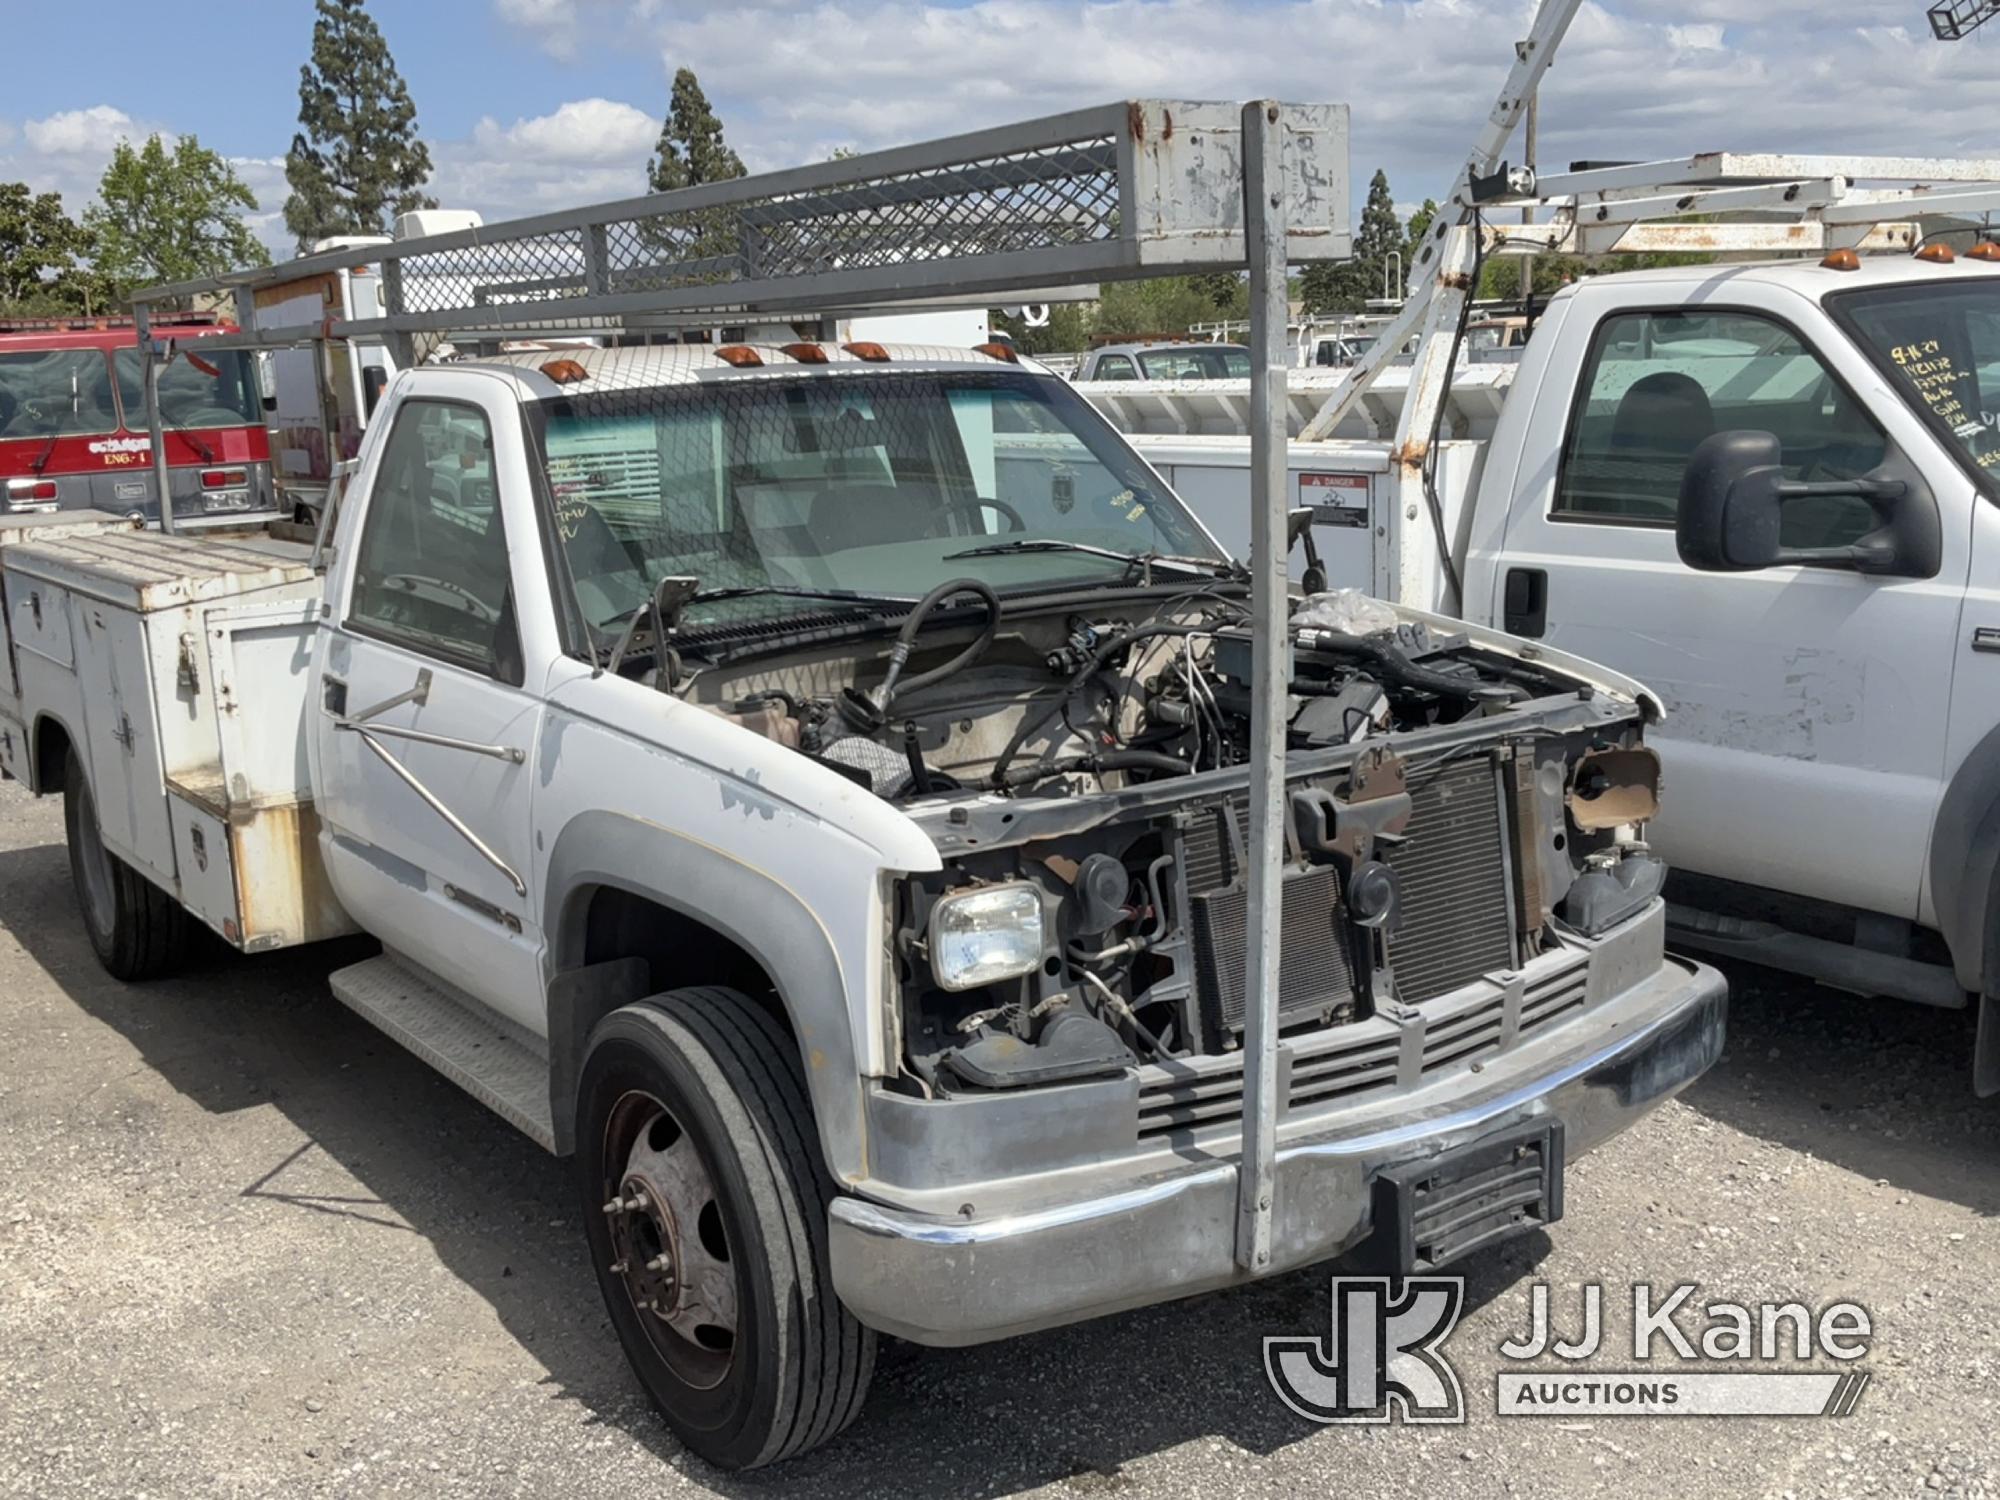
column 249, row 1247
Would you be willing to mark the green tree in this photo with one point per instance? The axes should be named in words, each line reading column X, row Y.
column 691, row 149
column 170, row 215
column 44, row 257
column 1347, row 285
column 1414, row 232
column 356, row 160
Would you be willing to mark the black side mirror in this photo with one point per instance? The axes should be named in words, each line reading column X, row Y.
column 373, row 379
column 1732, row 499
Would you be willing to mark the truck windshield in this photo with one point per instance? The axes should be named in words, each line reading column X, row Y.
column 198, row 388
column 866, row 482
column 1939, row 346
column 1197, row 362
column 49, row 392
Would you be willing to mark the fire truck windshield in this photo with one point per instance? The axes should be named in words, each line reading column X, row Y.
column 198, row 388
column 51, row 392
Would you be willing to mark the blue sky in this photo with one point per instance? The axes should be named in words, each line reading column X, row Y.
column 534, row 104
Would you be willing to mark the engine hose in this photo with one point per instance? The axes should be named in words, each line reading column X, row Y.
column 906, row 637
column 1104, row 652
column 1109, row 760
column 1392, row 664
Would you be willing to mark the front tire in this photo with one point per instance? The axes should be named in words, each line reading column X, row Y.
column 137, row 929
column 705, row 1208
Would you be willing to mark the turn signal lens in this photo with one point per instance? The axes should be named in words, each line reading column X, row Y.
column 997, row 350
column 1841, row 260
column 565, row 371
column 1938, row 253
column 805, row 354
column 874, row 353
column 222, row 479
column 740, row 355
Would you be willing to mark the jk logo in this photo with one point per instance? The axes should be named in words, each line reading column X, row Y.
column 1383, row 1352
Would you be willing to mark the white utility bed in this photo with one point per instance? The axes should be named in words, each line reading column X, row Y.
column 177, row 668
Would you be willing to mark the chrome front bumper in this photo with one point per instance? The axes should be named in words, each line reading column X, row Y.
column 938, row 1280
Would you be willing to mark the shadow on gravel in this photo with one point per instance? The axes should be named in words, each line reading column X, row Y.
column 1879, row 1087
column 1074, row 1405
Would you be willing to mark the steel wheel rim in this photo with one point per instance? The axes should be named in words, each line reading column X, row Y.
column 670, row 1252
column 93, row 863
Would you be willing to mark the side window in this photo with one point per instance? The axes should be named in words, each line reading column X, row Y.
column 1658, row 383
column 1115, row 367
column 430, row 569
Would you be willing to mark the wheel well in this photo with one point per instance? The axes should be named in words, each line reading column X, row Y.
column 629, row 947
column 51, row 755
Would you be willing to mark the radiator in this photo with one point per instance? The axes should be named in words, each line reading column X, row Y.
column 1455, row 922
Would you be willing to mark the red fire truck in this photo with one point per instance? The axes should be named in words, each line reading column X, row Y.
column 73, row 420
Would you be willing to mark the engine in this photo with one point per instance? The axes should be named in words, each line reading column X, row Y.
column 1450, row 811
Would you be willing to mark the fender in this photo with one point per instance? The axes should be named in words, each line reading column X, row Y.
column 754, row 911
column 32, row 752
column 1965, row 889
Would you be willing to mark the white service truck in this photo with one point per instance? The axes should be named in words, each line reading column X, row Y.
column 808, row 786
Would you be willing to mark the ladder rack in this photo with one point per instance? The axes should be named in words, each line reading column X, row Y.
column 1140, row 188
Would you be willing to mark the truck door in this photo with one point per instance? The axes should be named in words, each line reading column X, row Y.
column 1806, row 707
column 426, row 722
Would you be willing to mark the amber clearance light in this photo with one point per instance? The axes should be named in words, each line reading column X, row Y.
column 740, row 355
column 1984, row 250
column 999, row 351
column 1938, row 253
column 805, row 354
column 873, row 353
column 1841, row 260
column 565, row 371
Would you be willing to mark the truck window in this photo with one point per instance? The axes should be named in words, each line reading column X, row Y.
column 1114, row 367
column 198, row 388
column 1658, row 383
column 431, row 566
column 49, row 392
column 1939, row 347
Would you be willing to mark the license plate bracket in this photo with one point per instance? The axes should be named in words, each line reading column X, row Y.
column 1433, row 1212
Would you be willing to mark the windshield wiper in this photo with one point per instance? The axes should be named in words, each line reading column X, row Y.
column 788, row 591
column 1204, row 566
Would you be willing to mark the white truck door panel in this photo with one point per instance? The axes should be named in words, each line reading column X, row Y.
column 426, row 802
column 1806, row 707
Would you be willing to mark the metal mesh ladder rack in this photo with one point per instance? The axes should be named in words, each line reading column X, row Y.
column 1144, row 187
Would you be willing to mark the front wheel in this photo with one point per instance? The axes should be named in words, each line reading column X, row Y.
column 705, row 1207
column 138, row 930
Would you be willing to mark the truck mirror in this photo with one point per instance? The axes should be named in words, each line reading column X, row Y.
column 373, row 379
column 1299, row 528
column 1727, row 521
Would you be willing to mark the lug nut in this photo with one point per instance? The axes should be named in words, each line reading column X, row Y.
column 618, row 1268
column 658, row 1263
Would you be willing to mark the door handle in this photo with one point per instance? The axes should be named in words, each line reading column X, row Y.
column 1524, row 602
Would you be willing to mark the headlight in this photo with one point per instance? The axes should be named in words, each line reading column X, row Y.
column 991, row 933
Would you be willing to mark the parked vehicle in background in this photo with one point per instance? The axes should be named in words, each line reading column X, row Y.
column 73, row 421
column 1166, row 361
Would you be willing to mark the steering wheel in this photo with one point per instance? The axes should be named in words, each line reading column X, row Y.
column 442, row 591
column 952, row 507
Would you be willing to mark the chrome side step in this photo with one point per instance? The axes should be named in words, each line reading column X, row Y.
column 497, row 1063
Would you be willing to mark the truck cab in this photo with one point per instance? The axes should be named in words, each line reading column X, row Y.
column 1832, row 726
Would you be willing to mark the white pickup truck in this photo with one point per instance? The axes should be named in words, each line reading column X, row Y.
column 1815, row 606
column 806, row 785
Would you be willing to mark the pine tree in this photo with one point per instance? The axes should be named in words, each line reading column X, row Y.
column 1346, row 286
column 691, row 149
column 356, row 161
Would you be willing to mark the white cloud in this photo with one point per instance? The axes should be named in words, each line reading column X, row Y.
column 82, row 132
column 591, row 131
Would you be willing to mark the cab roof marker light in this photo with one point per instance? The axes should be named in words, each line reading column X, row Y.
column 805, row 354
column 1841, row 260
column 565, row 371
column 742, row 356
column 874, row 353
column 1937, row 253
column 1984, row 250
column 996, row 350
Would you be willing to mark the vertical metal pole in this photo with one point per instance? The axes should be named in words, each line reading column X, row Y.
column 1270, row 671
column 1528, row 214
column 149, row 377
